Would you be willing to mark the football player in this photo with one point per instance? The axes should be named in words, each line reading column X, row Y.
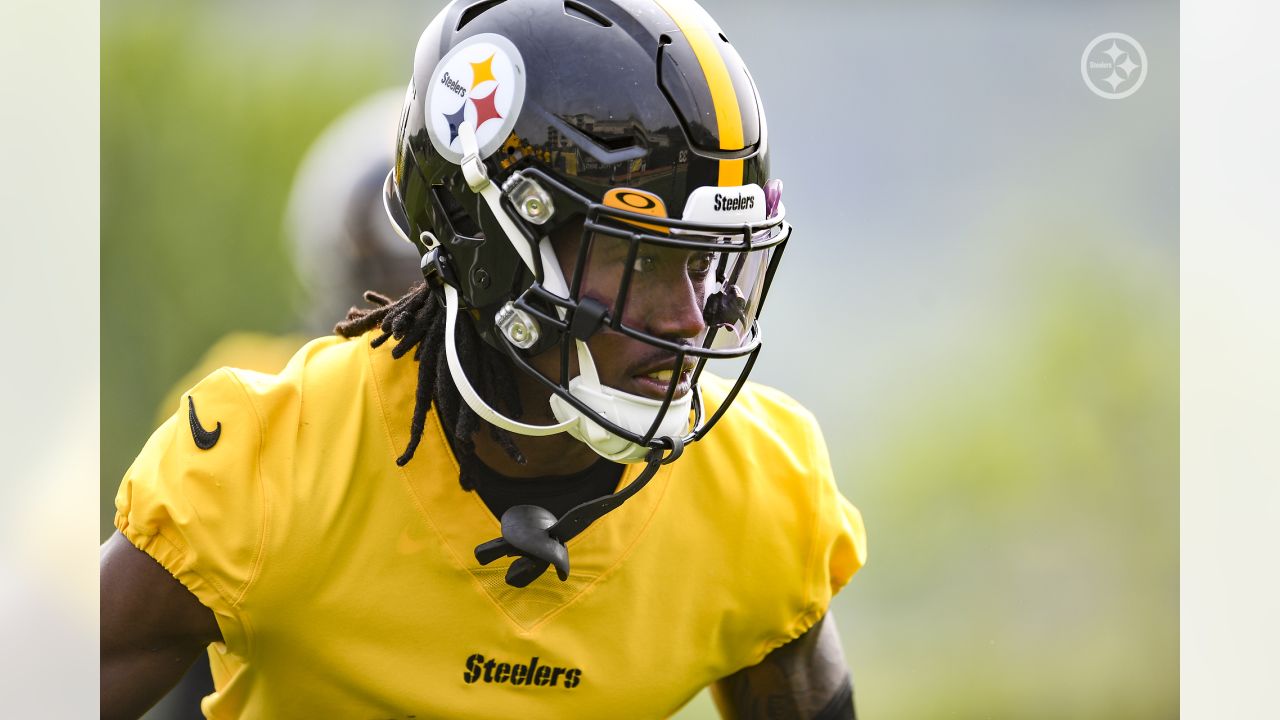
column 516, row 490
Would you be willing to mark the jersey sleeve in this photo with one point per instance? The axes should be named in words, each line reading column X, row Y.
column 200, row 511
column 839, row 541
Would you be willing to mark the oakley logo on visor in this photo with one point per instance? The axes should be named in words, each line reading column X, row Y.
column 637, row 201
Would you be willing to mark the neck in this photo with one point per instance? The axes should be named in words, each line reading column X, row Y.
column 545, row 455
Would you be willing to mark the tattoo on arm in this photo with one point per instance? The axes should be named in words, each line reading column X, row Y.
column 805, row 679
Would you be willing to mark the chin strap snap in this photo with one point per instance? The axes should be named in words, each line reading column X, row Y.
column 537, row 540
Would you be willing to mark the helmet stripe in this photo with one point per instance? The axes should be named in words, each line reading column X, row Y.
column 723, row 97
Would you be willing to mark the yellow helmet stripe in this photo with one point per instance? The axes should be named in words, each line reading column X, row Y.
column 723, row 97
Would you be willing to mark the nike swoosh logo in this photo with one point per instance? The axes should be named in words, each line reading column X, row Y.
column 204, row 439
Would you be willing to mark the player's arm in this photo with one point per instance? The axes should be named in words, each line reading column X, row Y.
column 153, row 628
column 806, row 678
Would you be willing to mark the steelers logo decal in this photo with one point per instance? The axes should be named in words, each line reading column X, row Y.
column 480, row 82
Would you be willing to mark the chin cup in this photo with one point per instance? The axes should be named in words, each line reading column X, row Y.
column 632, row 412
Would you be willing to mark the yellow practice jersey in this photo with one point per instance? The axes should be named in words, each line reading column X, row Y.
column 346, row 586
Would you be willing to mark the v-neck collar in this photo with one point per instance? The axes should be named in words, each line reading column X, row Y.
column 462, row 520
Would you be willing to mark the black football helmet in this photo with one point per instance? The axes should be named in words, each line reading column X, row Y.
column 631, row 127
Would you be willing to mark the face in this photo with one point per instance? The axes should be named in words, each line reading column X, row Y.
column 667, row 293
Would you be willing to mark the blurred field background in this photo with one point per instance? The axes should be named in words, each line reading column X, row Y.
column 980, row 303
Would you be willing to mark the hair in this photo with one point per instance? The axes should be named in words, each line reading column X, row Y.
column 416, row 321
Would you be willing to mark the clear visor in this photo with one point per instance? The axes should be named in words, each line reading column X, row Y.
column 699, row 291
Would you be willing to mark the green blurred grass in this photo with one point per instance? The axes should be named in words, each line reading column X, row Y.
column 1023, row 511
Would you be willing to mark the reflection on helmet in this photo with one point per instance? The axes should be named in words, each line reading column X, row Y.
column 635, row 131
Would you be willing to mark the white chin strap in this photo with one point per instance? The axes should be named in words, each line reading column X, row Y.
column 465, row 389
column 633, row 412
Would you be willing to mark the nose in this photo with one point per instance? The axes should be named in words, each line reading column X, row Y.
column 673, row 312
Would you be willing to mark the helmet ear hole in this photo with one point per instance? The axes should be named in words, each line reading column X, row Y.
column 454, row 214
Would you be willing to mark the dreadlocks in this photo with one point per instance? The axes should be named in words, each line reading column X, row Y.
column 416, row 321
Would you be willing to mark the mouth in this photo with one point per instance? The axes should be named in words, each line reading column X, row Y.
column 654, row 382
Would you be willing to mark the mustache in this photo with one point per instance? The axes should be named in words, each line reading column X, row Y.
column 662, row 360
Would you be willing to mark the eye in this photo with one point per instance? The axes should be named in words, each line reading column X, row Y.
column 644, row 263
column 700, row 264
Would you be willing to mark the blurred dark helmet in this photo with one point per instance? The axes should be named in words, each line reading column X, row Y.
column 335, row 221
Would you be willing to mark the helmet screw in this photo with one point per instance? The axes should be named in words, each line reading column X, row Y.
column 530, row 200
column 533, row 208
column 480, row 277
column 517, row 326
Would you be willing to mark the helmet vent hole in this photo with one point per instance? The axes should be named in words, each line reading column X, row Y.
column 722, row 37
column 460, row 221
column 582, row 12
column 474, row 11
column 613, row 143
